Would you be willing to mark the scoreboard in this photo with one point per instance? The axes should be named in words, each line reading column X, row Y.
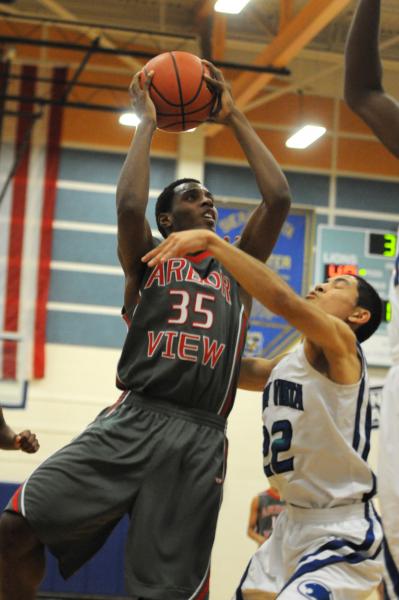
column 370, row 254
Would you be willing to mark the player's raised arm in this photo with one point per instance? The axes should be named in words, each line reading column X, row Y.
column 134, row 233
column 364, row 90
column 264, row 226
column 9, row 440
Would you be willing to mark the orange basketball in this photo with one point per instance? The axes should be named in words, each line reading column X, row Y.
column 181, row 96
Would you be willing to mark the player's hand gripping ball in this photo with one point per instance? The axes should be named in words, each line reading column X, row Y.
column 182, row 98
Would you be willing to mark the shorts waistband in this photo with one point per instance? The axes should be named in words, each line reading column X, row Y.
column 327, row 515
column 195, row 415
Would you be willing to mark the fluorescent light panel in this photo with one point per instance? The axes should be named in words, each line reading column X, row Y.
column 130, row 119
column 232, row 7
column 305, row 137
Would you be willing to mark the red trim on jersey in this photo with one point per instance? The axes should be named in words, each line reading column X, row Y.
column 273, row 494
column 197, row 258
column 126, row 317
column 116, row 404
column 231, row 393
column 15, row 500
column 204, row 591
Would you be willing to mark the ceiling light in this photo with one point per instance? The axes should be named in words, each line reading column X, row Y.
column 305, row 136
column 232, row 7
column 130, row 119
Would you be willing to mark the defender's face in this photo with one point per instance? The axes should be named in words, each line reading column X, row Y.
column 193, row 208
column 338, row 296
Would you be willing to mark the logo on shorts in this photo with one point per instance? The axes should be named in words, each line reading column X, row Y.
column 314, row 589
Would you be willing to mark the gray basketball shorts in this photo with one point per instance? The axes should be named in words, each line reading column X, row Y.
column 164, row 466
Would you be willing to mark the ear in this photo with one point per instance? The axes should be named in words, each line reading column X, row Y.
column 360, row 316
column 166, row 220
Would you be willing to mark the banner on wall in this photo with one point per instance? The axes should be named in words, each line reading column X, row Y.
column 269, row 334
column 26, row 219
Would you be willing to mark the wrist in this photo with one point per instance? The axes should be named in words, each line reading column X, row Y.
column 147, row 123
column 235, row 116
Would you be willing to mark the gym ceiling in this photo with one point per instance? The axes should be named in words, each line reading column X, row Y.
column 272, row 48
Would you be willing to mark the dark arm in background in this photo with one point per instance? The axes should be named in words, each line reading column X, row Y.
column 9, row 440
column 364, row 90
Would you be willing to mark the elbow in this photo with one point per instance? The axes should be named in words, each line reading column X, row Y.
column 281, row 201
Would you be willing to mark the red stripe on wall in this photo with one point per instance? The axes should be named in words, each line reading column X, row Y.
column 233, row 386
column 53, row 151
column 17, row 218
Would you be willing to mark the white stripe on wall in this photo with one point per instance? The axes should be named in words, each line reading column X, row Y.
column 60, row 265
column 83, row 308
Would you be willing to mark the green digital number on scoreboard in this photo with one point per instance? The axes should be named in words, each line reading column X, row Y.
column 383, row 244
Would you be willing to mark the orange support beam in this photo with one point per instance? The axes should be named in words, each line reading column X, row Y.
column 286, row 12
column 300, row 30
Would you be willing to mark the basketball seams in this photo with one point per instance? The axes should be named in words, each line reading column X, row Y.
column 178, row 75
column 187, row 113
column 180, row 90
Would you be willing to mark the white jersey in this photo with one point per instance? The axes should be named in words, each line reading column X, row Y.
column 316, row 435
column 393, row 327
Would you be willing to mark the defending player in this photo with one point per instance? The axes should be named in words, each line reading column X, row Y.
column 317, row 422
column 159, row 454
column 364, row 91
column 388, row 460
column 365, row 95
column 9, row 440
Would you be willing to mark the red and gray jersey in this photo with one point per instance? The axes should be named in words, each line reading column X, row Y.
column 186, row 335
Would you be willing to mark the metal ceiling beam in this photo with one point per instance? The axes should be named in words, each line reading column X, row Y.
column 7, row 39
column 56, row 8
column 212, row 28
column 300, row 30
column 73, row 24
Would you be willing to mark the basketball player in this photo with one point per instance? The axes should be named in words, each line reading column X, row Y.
column 365, row 95
column 159, row 454
column 264, row 510
column 9, row 440
column 317, row 423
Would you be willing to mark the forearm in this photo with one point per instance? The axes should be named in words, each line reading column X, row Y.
column 363, row 70
column 7, row 437
column 271, row 180
column 253, row 276
column 255, row 536
column 134, row 180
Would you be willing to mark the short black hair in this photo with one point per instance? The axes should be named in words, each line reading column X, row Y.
column 369, row 299
column 165, row 198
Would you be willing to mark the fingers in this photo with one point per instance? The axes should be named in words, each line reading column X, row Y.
column 27, row 442
column 216, row 73
column 148, row 80
column 134, row 87
column 160, row 254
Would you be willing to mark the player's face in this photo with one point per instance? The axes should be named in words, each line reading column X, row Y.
column 338, row 296
column 193, row 208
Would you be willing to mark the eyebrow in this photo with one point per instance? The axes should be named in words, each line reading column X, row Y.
column 338, row 280
column 197, row 190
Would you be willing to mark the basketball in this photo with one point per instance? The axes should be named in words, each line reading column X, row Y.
column 182, row 98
